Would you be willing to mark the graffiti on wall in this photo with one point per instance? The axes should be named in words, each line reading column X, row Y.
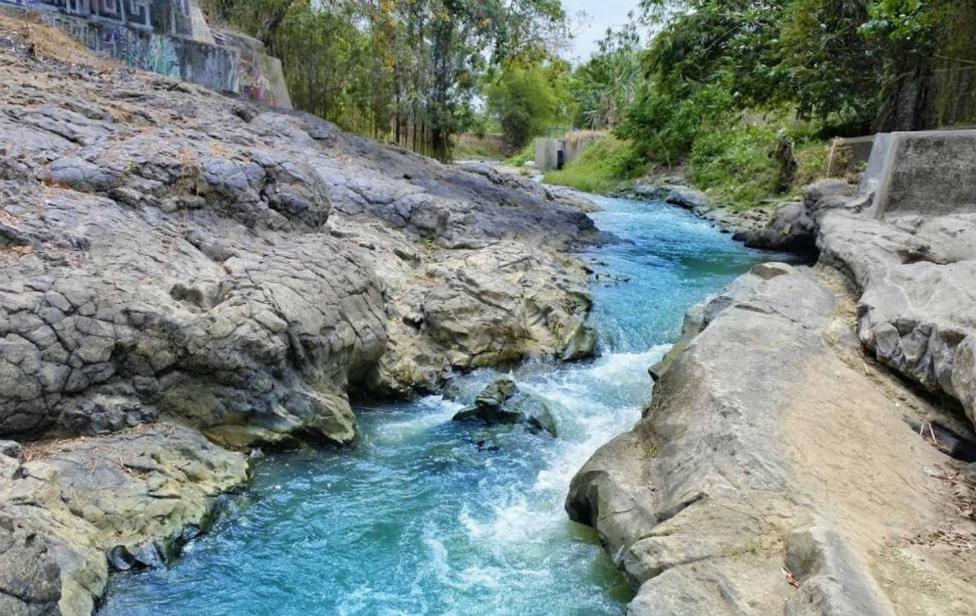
column 146, row 34
column 161, row 16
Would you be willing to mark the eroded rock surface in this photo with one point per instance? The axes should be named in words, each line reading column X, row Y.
column 773, row 473
column 137, row 494
column 179, row 269
column 915, row 275
column 779, row 468
column 171, row 252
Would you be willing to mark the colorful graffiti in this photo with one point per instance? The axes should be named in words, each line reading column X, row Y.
column 163, row 16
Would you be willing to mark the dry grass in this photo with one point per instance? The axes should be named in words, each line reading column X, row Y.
column 49, row 43
column 468, row 146
column 574, row 137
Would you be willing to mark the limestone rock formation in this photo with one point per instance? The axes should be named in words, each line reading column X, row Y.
column 915, row 273
column 745, row 489
column 775, row 442
column 170, row 252
column 917, row 311
column 174, row 264
column 137, row 494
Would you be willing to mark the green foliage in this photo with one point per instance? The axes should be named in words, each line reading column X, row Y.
column 901, row 21
column 831, row 69
column 525, row 102
column 406, row 71
column 663, row 128
column 600, row 168
column 721, row 78
column 734, row 43
column 812, row 160
column 927, row 50
column 524, row 155
column 607, row 84
column 735, row 165
column 470, row 146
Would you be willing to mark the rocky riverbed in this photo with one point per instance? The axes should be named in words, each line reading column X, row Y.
column 806, row 450
column 184, row 276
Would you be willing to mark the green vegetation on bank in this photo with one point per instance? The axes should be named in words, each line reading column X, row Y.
column 735, row 167
column 523, row 156
column 740, row 95
column 599, row 169
column 469, row 146
column 744, row 96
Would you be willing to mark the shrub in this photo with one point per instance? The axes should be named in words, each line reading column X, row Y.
column 524, row 155
column 735, row 165
column 812, row 159
column 600, row 168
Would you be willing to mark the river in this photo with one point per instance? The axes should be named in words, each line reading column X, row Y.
column 418, row 517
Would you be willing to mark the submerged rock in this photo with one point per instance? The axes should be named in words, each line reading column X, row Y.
column 503, row 402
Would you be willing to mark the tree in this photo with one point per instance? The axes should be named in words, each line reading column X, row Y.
column 525, row 103
column 403, row 70
column 607, row 84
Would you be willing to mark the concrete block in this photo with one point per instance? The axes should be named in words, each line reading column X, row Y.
column 546, row 153
column 923, row 172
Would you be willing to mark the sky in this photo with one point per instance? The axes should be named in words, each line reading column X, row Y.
column 601, row 14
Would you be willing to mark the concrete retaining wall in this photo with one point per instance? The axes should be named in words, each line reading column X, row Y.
column 546, row 153
column 930, row 172
column 571, row 145
column 168, row 37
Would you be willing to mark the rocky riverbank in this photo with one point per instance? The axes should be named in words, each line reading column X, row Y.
column 187, row 276
column 676, row 191
column 795, row 458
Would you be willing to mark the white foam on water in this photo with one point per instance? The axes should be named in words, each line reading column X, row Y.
column 586, row 423
column 627, row 367
column 515, row 522
column 395, row 430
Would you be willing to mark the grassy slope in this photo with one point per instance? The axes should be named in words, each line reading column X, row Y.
column 599, row 169
column 735, row 167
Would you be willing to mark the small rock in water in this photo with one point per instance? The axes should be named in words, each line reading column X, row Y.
column 503, row 402
column 120, row 559
column 149, row 556
column 482, row 446
column 610, row 280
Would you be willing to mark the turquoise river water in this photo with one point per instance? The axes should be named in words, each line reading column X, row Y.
column 417, row 517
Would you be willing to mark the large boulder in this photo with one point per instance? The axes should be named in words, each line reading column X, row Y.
column 791, row 229
column 137, row 495
column 916, row 311
column 688, row 198
column 726, row 495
